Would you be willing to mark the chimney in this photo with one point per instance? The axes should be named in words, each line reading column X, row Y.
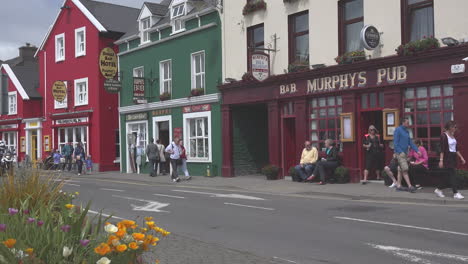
column 27, row 52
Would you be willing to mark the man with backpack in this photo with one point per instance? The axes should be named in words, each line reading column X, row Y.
column 67, row 153
column 152, row 152
column 175, row 152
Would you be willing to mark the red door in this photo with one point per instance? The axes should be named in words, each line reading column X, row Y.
column 366, row 119
column 288, row 144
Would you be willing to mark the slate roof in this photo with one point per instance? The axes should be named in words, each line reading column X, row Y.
column 28, row 76
column 156, row 9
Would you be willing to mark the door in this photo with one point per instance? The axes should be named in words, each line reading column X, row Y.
column 288, row 144
column 368, row 118
column 162, row 132
column 34, row 147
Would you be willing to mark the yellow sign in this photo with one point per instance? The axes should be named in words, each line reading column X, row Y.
column 108, row 63
column 59, row 91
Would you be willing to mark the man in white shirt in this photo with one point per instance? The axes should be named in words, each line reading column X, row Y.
column 175, row 151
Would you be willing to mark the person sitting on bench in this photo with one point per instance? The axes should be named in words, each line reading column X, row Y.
column 418, row 164
column 330, row 162
column 307, row 164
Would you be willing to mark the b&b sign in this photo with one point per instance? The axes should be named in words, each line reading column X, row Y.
column 260, row 66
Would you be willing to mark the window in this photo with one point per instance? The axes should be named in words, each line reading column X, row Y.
column 145, row 25
column 139, row 130
column 63, row 104
column 351, row 16
column 255, row 41
column 198, row 70
column 197, row 127
column 324, row 120
column 165, row 70
column 428, row 109
column 81, row 91
column 372, row 100
column 80, row 42
column 10, row 139
column 117, row 144
column 177, row 22
column 139, row 72
column 12, row 103
column 73, row 134
column 417, row 19
column 60, row 47
column 299, row 38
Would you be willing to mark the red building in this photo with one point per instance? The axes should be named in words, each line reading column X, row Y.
column 20, row 102
column 70, row 54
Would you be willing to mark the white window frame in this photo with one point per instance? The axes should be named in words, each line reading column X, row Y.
column 84, row 133
column 161, row 76
column 145, row 122
column 145, row 34
column 11, row 141
column 186, row 127
column 178, row 24
column 202, row 73
column 57, row 50
column 85, row 101
column 79, row 52
column 10, row 112
column 137, row 69
column 64, row 103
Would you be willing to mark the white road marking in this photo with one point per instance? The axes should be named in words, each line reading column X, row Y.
column 220, row 195
column 286, row 260
column 250, row 206
column 410, row 254
column 71, row 184
column 112, row 190
column 170, row 196
column 106, row 215
column 151, row 206
column 399, row 225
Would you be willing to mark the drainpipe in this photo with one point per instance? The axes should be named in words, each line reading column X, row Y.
column 199, row 20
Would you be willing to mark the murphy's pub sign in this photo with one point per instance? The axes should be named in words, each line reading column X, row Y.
column 383, row 76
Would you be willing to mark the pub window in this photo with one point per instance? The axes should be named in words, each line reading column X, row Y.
column 299, row 38
column 351, row 20
column 417, row 19
column 197, row 127
column 255, row 41
column 428, row 109
column 324, row 120
column 372, row 100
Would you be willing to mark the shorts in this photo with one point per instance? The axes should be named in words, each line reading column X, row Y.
column 403, row 161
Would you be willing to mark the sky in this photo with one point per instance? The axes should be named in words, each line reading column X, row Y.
column 28, row 21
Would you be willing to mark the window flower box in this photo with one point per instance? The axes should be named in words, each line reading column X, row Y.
column 298, row 66
column 197, row 91
column 165, row 96
column 418, row 46
column 253, row 6
column 351, row 57
column 290, row 1
column 247, row 77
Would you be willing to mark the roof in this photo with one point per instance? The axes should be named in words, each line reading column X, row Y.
column 156, row 9
column 28, row 75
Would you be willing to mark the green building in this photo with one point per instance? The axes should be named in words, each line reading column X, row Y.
column 170, row 67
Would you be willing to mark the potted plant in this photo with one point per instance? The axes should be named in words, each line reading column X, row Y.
column 342, row 174
column 418, row 46
column 165, row 96
column 299, row 66
column 271, row 172
column 293, row 173
column 197, row 91
column 247, row 77
column 252, row 6
column 350, row 57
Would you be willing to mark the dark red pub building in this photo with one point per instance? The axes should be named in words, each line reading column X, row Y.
column 268, row 122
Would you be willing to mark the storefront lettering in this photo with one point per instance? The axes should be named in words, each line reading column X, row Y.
column 137, row 116
column 161, row 112
column 392, row 75
column 72, row 121
column 288, row 89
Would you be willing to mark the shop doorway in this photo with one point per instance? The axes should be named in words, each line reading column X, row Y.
column 368, row 118
column 34, row 147
column 162, row 129
column 288, row 143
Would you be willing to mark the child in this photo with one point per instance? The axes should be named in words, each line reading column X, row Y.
column 57, row 158
column 89, row 164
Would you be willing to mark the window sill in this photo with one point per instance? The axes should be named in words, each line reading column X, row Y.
column 10, row 114
column 80, row 55
column 59, row 60
column 177, row 32
column 117, row 161
column 144, row 43
column 82, row 104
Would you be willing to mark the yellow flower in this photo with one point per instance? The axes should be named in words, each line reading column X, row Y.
column 121, row 233
column 144, row 230
column 133, row 245
column 150, row 224
column 134, row 226
column 29, row 251
column 121, row 248
column 102, row 249
column 69, row 206
column 77, row 193
column 9, row 243
column 111, row 239
column 138, row 236
column 128, row 223
column 148, row 219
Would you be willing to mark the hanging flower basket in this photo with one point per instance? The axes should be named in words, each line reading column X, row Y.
column 418, row 46
column 251, row 7
column 197, row 91
column 351, row 57
column 165, row 96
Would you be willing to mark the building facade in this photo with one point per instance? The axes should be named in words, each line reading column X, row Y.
column 324, row 83
column 76, row 107
column 171, row 67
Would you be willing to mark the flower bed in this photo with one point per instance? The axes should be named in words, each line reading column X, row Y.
column 351, row 57
column 418, row 46
column 252, row 6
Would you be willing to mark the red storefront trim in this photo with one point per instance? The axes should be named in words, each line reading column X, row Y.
column 86, row 113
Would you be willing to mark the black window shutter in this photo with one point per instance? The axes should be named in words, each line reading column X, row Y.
column 4, row 94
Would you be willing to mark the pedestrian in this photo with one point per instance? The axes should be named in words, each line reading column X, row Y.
column 162, row 158
column 419, row 164
column 332, row 161
column 152, row 152
column 392, row 169
column 56, row 157
column 79, row 157
column 374, row 152
column 307, row 163
column 402, row 142
column 448, row 160
column 67, row 153
column 89, row 164
column 174, row 150
column 183, row 157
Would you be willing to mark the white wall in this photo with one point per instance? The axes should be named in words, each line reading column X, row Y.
column 451, row 19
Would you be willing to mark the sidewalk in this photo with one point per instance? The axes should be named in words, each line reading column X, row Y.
column 375, row 191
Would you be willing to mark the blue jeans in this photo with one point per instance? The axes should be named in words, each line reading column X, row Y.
column 304, row 171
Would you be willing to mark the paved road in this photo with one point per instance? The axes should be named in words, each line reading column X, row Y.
column 217, row 226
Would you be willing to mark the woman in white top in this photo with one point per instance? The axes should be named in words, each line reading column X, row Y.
column 449, row 155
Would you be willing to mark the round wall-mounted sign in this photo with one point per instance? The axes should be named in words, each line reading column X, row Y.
column 370, row 37
column 108, row 63
column 59, row 91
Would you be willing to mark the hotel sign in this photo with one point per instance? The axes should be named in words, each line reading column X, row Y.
column 108, row 63
column 59, row 91
column 260, row 66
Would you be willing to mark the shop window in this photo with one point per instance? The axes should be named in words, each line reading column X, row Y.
column 10, row 139
column 73, row 134
column 81, row 91
column 255, row 41
column 139, row 130
column 351, row 20
column 145, row 25
column 299, row 38
column 60, row 47
column 324, row 119
column 428, row 109
column 372, row 100
column 63, row 104
column 12, row 103
column 417, row 19
column 80, row 41
column 198, row 70
column 197, row 127
column 165, row 70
